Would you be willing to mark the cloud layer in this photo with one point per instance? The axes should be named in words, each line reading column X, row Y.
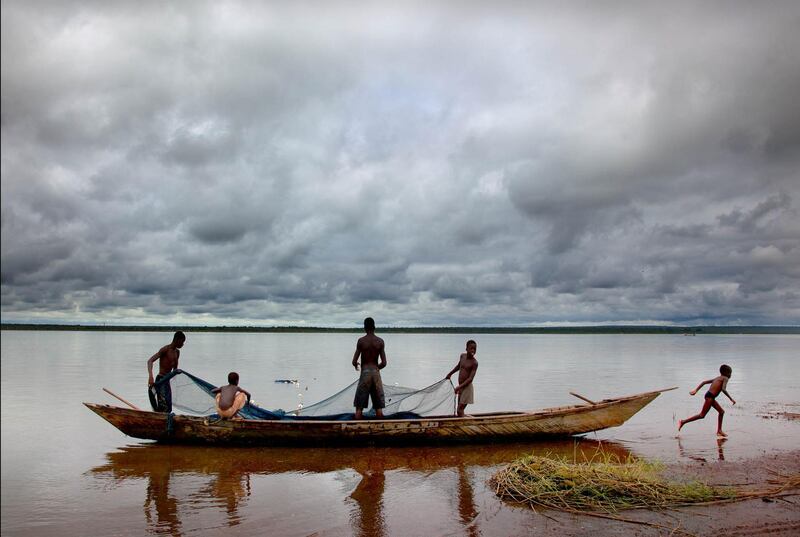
column 286, row 163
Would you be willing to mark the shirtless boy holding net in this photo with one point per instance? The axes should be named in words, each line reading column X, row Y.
column 467, row 366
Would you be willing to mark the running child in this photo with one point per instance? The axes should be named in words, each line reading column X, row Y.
column 710, row 400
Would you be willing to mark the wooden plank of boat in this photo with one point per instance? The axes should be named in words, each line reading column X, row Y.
column 559, row 421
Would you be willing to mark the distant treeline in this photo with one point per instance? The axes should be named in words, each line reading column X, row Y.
column 618, row 329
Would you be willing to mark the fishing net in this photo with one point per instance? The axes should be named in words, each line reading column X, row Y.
column 193, row 395
column 435, row 400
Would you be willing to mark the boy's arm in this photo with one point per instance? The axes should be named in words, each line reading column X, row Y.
column 216, row 390
column 355, row 357
column 150, row 362
column 456, row 368
column 246, row 393
column 382, row 359
column 700, row 386
column 729, row 396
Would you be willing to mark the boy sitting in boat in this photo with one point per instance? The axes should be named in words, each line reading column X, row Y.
column 718, row 385
column 467, row 366
column 231, row 398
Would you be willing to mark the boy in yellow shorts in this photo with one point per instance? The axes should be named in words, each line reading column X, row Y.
column 231, row 398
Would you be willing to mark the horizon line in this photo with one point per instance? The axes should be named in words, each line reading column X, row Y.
column 643, row 328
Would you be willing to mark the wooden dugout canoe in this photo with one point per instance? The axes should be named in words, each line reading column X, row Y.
column 491, row 427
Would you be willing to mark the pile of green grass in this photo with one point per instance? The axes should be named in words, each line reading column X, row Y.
column 603, row 483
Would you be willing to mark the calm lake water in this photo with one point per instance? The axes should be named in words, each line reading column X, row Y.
column 65, row 471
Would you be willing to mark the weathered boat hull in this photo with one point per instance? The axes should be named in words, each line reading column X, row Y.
column 561, row 421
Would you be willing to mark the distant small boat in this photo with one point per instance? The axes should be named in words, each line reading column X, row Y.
column 490, row 427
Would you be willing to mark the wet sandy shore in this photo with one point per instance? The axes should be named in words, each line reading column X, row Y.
column 778, row 516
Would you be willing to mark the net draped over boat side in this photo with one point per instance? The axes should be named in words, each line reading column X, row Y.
column 193, row 395
column 401, row 402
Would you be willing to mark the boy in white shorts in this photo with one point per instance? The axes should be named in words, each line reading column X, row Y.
column 467, row 366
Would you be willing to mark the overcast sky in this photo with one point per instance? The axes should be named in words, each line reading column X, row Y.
column 431, row 163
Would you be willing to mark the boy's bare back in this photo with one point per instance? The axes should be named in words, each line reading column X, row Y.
column 227, row 395
column 370, row 348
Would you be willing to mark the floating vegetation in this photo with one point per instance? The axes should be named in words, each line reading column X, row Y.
column 603, row 483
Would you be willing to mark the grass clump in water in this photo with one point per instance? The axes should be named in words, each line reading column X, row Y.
column 604, row 483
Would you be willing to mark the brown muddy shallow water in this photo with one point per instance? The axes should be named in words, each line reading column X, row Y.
column 67, row 472
column 336, row 491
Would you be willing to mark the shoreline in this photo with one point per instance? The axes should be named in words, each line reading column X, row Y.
column 776, row 516
column 690, row 330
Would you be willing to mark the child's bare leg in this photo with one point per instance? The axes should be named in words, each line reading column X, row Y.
column 721, row 412
column 461, row 410
column 706, row 405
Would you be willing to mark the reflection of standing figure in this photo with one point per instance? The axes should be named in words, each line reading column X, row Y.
column 368, row 520
column 166, row 507
column 466, row 502
column 231, row 488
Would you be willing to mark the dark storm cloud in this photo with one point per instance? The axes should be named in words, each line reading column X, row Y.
column 291, row 163
column 747, row 221
column 212, row 231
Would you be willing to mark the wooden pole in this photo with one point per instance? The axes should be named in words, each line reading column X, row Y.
column 121, row 399
column 582, row 397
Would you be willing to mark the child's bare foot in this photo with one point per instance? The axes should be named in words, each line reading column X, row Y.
column 680, row 425
column 721, row 434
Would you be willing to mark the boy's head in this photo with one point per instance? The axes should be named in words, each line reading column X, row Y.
column 233, row 378
column 178, row 339
column 472, row 346
column 725, row 370
column 369, row 324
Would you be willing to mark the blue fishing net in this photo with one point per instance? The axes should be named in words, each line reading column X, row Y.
column 192, row 395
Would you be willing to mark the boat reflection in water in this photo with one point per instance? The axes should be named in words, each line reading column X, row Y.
column 185, row 481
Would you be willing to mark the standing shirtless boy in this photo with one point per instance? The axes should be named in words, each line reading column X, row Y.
column 372, row 352
column 167, row 357
column 467, row 366
column 717, row 385
column 231, row 398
